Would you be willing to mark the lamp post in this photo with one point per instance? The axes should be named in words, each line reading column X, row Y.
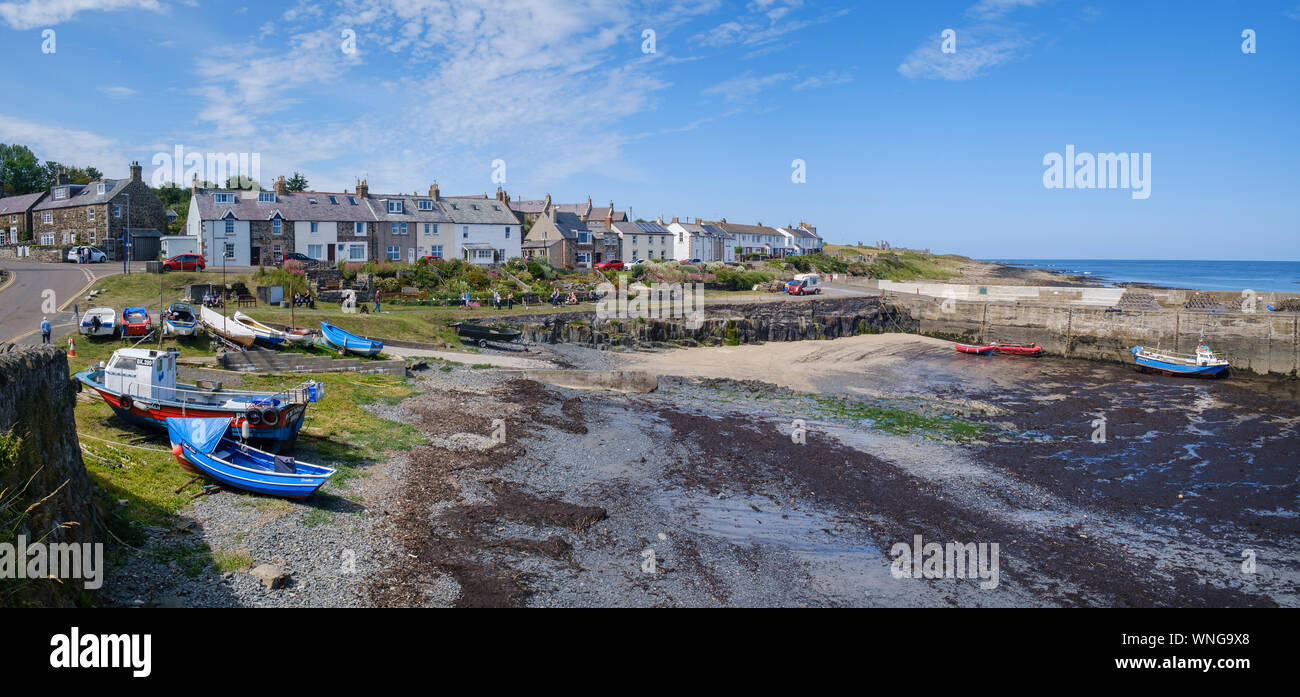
column 125, row 232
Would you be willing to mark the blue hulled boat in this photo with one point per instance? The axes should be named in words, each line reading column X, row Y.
column 1203, row 363
column 205, row 446
column 337, row 338
column 180, row 319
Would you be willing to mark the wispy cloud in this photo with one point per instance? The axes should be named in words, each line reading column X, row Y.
column 66, row 145
column 768, row 22
column 833, row 77
column 745, row 87
column 976, row 53
column 117, row 92
column 47, row 13
column 995, row 9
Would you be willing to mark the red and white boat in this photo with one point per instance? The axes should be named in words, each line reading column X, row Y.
column 1018, row 349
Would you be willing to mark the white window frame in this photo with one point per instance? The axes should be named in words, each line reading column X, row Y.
column 266, row 197
column 394, row 252
column 223, row 198
column 117, row 211
column 90, row 213
column 359, row 229
column 230, row 227
column 395, row 207
column 424, row 205
column 315, row 251
column 277, row 226
column 356, row 252
column 229, row 250
column 314, row 229
column 435, row 251
column 47, row 217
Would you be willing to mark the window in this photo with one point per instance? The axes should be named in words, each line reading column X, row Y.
column 392, row 228
column 464, row 232
column 90, row 213
column 428, row 226
column 117, row 211
column 230, row 250
column 277, row 227
column 436, row 251
column 278, row 252
column 403, row 228
column 359, row 229
column 583, row 257
column 395, row 207
column 266, row 197
column 47, row 238
column 424, row 205
column 584, row 237
column 101, row 189
column 357, row 252
column 352, row 200
column 394, row 252
column 223, row 198
column 507, row 232
column 334, row 200
column 92, row 237
column 314, row 251
column 48, row 217
column 60, row 193
column 314, row 229
column 230, row 227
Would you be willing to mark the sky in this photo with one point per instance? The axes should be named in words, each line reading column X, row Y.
column 852, row 116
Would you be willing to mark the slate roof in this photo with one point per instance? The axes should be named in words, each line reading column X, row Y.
column 411, row 212
column 478, row 211
column 603, row 211
column 10, row 205
column 83, row 194
column 569, row 225
column 291, row 206
column 625, row 228
column 537, row 206
column 799, row 232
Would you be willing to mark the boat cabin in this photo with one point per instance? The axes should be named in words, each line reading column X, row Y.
column 142, row 373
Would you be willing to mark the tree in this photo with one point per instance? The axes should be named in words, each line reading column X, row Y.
column 297, row 182
column 20, row 171
column 239, row 181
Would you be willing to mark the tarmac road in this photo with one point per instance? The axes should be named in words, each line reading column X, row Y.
column 35, row 288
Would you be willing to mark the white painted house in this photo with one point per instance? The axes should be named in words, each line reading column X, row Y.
column 700, row 240
column 484, row 231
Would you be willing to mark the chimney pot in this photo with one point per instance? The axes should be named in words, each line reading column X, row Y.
column 135, row 171
column 281, row 186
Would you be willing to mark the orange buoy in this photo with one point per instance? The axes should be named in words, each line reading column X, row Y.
column 176, row 450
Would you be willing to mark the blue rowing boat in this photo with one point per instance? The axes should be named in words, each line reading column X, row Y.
column 205, row 446
column 1204, row 363
column 337, row 338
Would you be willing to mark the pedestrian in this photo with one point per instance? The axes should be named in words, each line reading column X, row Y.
column 45, row 330
column 510, row 301
column 496, row 299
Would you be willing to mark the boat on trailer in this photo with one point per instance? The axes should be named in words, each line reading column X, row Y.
column 271, row 336
column 1203, row 363
column 977, row 349
column 482, row 334
column 1017, row 349
column 207, row 446
column 336, row 338
column 140, row 385
column 226, row 328
column 99, row 321
column 180, row 319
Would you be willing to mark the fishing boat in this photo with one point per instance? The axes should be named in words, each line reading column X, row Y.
column 226, row 328
column 180, row 319
column 482, row 335
column 277, row 338
column 1203, row 362
column 99, row 321
column 136, row 322
column 337, row 338
column 206, row 446
column 1018, row 349
column 140, row 385
column 981, row 350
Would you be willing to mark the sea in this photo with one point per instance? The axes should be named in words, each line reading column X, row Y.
column 1260, row 276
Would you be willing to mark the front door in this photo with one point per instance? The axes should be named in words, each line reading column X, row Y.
column 255, row 256
column 410, row 255
column 330, row 247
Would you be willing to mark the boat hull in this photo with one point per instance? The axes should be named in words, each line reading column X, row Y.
column 240, row 470
column 1168, row 368
column 336, row 338
column 975, row 350
column 1019, row 349
column 171, row 328
column 151, row 414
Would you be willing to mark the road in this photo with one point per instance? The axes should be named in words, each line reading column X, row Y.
column 38, row 288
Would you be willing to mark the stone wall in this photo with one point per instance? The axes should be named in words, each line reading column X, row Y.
column 36, row 408
column 51, row 255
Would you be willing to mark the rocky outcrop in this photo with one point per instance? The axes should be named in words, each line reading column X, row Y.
column 724, row 324
column 47, row 495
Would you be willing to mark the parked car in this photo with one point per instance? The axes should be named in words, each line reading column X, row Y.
column 185, row 262
column 803, row 287
column 430, row 258
column 136, row 322
column 296, row 256
column 610, row 265
column 92, row 255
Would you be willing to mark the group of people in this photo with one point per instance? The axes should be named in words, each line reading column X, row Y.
column 304, row 300
column 214, row 300
column 558, row 298
column 509, row 300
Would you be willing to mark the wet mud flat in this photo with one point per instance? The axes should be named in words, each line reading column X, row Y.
column 697, row 495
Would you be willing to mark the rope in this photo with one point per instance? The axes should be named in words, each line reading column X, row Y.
column 122, row 445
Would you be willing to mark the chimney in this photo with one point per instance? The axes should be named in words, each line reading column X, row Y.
column 501, row 195
column 281, row 186
column 546, row 206
column 135, row 171
column 674, row 218
column 363, row 189
column 61, row 178
column 194, row 184
column 609, row 216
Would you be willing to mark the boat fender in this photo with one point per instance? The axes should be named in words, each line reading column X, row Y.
column 270, row 417
column 253, row 417
column 125, row 402
column 176, row 450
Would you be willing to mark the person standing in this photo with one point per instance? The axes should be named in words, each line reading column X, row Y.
column 510, row 301
column 45, row 330
column 496, row 299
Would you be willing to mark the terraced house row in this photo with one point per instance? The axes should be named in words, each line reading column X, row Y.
column 242, row 228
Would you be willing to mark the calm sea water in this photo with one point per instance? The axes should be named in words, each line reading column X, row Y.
column 1277, row 276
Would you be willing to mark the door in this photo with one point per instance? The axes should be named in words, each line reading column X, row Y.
column 330, row 253
column 410, row 255
column 255, row 256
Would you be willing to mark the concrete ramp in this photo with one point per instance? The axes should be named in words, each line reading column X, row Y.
column 613, row 380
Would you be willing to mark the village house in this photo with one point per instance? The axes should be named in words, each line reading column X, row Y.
column 408, row 226
column 484, row 231
column 98, row 213
column 801, row 240
column 16, row 217
column 643, row 240
column 699, row 240
column 754, row 239
column 566, row 239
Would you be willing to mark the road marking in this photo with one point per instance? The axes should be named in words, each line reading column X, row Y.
column 13, row 275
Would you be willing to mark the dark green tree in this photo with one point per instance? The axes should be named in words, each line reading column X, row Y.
column 297, row 182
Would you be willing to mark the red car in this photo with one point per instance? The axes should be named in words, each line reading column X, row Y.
column 185, row 262
column 610, row 265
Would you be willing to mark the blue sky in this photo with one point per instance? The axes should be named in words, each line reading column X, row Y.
column 901, row 141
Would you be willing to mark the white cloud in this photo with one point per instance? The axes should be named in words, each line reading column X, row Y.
column 745, row 87
column 68, row 146
column 832, row 77
column 976, row 53
column 46, row 13
column 117, row 92
column 994, row 9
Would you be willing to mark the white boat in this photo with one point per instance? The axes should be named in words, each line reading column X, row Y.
column 180, row 320
column 226, row 328
column 275, row 337
column 99, row 321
